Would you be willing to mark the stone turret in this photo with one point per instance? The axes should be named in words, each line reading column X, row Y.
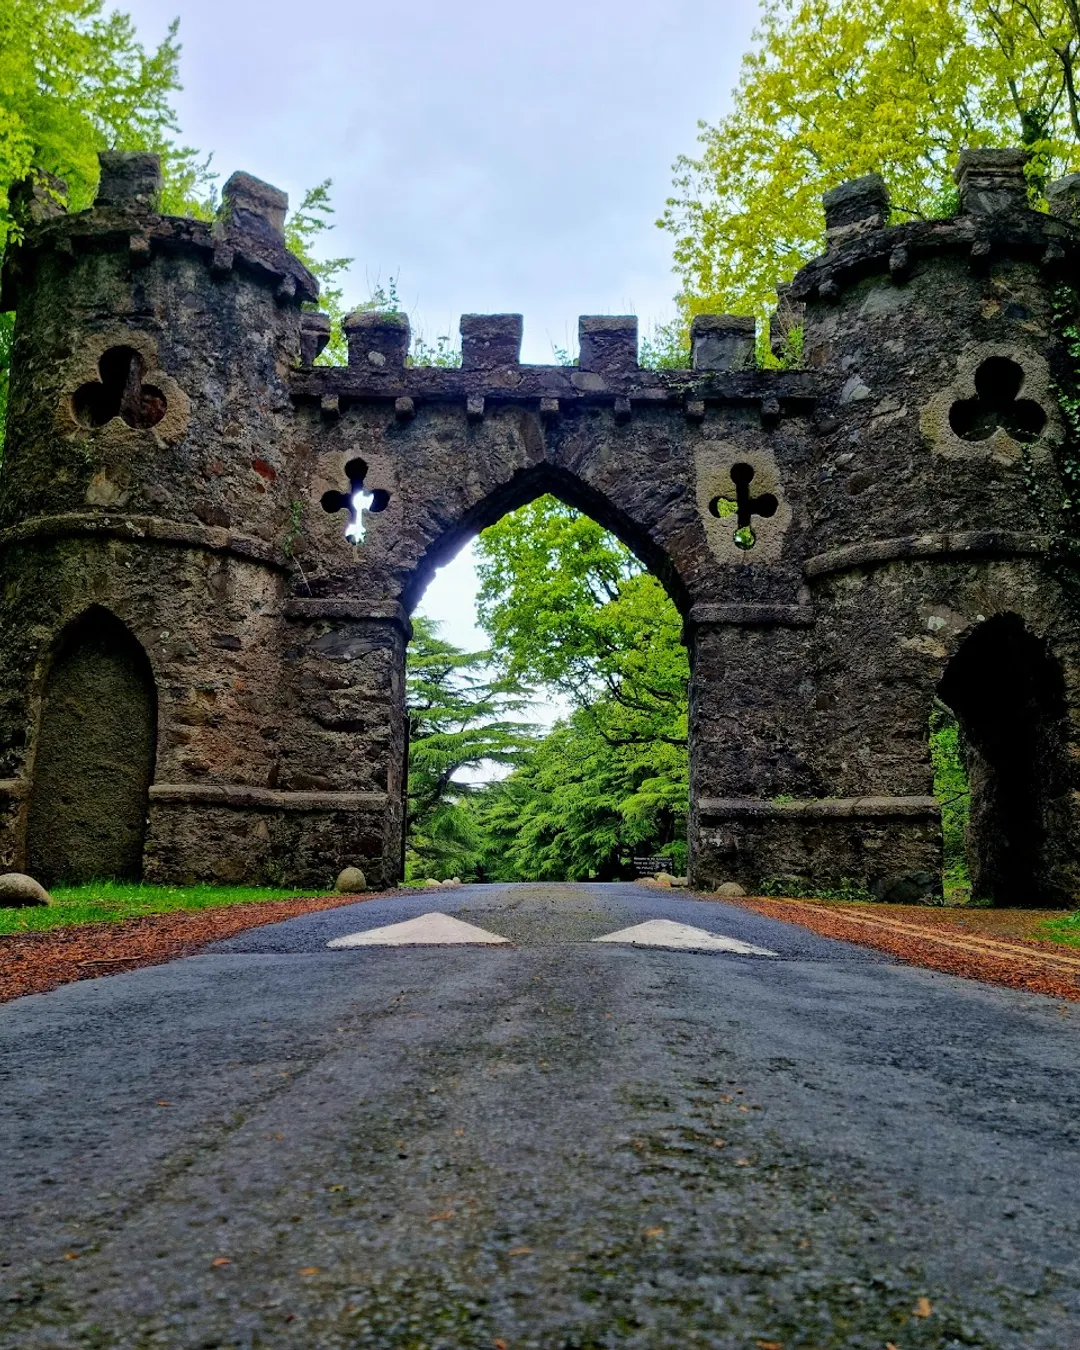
column 937, row 501
column 146, row 473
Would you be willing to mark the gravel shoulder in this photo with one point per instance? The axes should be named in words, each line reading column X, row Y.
column 993, row 946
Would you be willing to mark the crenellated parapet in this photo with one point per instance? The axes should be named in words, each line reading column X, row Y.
column 184, row 482
column 994, row 224
column 607, row 374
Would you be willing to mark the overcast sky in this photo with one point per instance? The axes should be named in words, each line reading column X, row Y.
column 492, row 157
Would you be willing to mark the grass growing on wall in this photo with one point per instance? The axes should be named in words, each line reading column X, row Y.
column 114, row 901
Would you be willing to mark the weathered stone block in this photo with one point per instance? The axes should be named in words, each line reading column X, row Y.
column 129, row 178
column 723, row 341
column 1063, row 197
column 607, row 343
column 991, row 181
column 855, row 208
column 377, row 341
column 490, row 341
column 250, row 206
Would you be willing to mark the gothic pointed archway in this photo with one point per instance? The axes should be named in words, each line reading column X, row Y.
column 1008, row 695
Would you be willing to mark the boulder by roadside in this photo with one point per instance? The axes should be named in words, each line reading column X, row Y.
column 18, row 891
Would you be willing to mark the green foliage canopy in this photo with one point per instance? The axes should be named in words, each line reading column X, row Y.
column 73, row 81
column 833, row 89
column 459, row 719
column 569, row 608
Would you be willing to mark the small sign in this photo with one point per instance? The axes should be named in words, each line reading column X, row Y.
column 647, row 867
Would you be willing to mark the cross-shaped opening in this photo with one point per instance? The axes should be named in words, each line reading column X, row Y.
column 356, row 501
column 743, row 507
column 119, row 392
column 998, row 381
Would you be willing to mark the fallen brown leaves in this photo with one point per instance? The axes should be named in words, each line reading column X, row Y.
column 974, row 944
column 32, row 963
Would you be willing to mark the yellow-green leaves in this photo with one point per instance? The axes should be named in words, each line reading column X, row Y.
column 833, row 89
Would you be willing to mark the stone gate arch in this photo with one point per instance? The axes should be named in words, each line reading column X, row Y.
column 519, row 489
column 175, row 448
column 549, row 477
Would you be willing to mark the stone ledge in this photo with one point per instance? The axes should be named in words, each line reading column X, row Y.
column 1026, row 234
column 14, row 789
column 789, row 616
column 389, row 611
column 240, row 797
column 221, row 247
column 821, row 808
column 793, row 390
column 145, row 529
column 964, row 543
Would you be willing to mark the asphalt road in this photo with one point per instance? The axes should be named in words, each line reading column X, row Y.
column 556, row 1144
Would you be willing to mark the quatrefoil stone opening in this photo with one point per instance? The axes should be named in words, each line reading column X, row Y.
column 358, row 500
column 742, row 507
column 120, row 392
column 998, row 382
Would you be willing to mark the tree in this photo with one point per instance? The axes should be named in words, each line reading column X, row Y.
column 833, row 89
column 74, row 81
column 458, row 720
column 583, row 801
column 568, row 607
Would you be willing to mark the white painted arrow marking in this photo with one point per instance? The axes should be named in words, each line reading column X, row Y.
column 681, row 937
column 427, row 930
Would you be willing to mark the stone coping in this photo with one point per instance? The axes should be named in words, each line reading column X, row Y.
column 824, row 808
column 559, row 387
column 752, row 615
column 893, row 251
column 242, row 797
column 235, row 795
column 224, row 248
column 963, row 543
column 313, row 608
column 145, row 529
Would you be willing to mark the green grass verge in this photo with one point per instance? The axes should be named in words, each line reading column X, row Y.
column 1065, row 930
column 114, row 901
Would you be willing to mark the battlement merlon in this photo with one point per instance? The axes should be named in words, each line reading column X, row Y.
column 247, row 234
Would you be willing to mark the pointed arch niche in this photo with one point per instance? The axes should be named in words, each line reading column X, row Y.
column 94, row 756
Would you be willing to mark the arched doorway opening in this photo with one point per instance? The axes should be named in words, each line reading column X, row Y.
column 575, row 763
column 1008, row 697
column 94, row 756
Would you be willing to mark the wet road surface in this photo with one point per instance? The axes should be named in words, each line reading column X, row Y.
column 556, row 1143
